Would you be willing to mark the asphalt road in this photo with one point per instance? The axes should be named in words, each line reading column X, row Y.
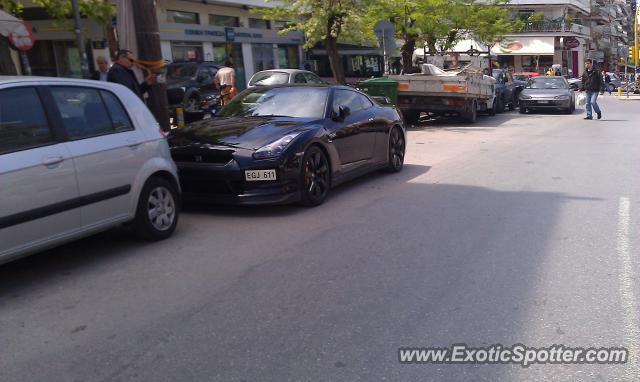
column 518, row 229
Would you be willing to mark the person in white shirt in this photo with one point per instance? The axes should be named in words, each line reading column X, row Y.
column 225, row 81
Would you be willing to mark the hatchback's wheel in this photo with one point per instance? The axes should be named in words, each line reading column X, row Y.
column 316, row 177
column 158, row 209
column 396, row 150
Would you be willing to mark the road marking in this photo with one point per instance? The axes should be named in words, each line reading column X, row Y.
column 632, row 328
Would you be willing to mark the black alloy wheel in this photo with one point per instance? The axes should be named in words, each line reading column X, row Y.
column 397, row 148
column 316, row 177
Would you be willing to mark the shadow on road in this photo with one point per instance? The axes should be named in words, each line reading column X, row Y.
column 416, row 264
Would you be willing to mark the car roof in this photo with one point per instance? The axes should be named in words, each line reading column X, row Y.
column 35, row 80
column 285, row 71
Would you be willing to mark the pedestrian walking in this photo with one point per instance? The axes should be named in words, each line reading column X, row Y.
column 103, row 69
column 122, row 74
column 225, row 81
column 591, row 83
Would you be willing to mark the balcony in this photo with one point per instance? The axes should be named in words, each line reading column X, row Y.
column 582, row 5
column 555, row 27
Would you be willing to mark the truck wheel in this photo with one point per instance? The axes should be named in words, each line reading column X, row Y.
column 411, row 116
column 471, row 112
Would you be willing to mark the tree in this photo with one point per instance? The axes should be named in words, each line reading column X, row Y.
column 441, row 24
column 59, row 10
column 326, row 21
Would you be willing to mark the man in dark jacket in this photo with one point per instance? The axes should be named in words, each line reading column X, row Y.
column 122, row 74
column 592, row 83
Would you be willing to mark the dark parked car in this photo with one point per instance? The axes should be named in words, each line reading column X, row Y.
column 287, row 143
column 548, row 93
column 506, row 90
column 195, row 80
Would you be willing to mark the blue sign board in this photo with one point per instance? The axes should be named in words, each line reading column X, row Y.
column 229, row 34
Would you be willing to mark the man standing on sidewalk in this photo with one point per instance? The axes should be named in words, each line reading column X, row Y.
column 592, row 83
column 122, row 74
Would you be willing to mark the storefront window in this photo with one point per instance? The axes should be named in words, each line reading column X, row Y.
column 258, row 23
column 288, row 56
column 224, row 21
column 181, row 17
column 187, row 51
column 55, row 59
column 262, row 56
column 363, row 66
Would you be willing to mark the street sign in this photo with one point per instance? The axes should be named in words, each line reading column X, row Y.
column 385, row 31
column 571, row 42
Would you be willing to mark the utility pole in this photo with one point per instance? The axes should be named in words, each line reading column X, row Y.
column 84, row 64
column 148, row 37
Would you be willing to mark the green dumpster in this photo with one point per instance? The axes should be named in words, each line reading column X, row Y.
column 380, row 89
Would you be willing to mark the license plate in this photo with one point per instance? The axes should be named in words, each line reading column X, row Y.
column 543, row 101
column 257, row 175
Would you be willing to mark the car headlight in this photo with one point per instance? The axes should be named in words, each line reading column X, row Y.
column 274, row 149
column 562, row 97
column 524, row 96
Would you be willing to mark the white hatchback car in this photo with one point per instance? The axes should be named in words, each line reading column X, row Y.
column 78, row 157
column 284, row 76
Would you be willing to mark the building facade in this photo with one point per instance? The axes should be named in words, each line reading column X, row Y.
column 203, row 31
column 555, row 33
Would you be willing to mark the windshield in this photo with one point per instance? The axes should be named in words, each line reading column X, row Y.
column 521, row 77
column 269, row 78
column 182, row 71
column 547, row 83
column 300, row 102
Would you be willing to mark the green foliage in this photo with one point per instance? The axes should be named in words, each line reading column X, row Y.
column 60, row 10
column 536, row 17
column 320, row 19
column 440, row 24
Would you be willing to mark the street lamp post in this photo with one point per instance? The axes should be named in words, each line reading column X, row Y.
column 84, row 64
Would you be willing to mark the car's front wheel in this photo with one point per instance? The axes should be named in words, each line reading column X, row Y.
column 397, row 148
column 315, row 177
column 158, row 209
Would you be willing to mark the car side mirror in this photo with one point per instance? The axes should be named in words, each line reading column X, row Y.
column 343, row 113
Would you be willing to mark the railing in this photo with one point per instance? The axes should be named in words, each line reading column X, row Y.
column 555, row 26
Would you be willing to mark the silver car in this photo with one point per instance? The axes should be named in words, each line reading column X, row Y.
column 78, row 157
column 547, row 93
column 284, row 76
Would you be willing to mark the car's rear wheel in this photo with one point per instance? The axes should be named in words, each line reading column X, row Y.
column 315, row 177
column 158, row 210
column 492, row 110
column 397, row 148
column 470, row 114
column 499, row 104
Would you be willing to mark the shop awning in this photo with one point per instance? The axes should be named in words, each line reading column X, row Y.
column 525, row 46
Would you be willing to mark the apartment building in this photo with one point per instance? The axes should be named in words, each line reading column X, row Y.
column 554, row 32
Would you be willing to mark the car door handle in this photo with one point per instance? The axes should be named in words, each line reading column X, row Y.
column 133, row 145
column 52, row 161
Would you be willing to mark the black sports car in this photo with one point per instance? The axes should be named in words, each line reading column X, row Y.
column 287, row 143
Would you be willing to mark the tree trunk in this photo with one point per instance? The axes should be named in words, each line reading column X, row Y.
column 149, row 50
column 406, row 52
column 334, row 59
column 7, row 67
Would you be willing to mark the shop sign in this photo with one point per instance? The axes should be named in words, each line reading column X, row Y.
column 571, row 42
